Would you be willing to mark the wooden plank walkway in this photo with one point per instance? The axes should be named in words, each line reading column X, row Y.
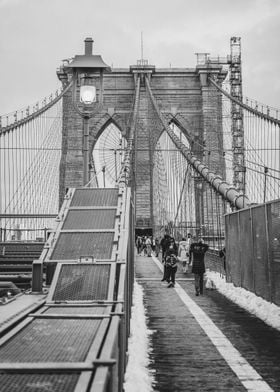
column 233, row 352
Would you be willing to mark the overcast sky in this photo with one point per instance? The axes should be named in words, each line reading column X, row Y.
column 35, row 35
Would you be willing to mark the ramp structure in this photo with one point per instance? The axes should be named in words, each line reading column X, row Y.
column 77, row 340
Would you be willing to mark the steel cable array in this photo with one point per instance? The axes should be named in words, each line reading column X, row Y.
column 196, row 197
column 238, row 200
column 30, row 151
column 261, row 146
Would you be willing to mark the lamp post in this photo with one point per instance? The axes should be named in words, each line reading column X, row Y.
column 87, row 78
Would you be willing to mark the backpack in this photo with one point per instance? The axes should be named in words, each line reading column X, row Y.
column 184, row 252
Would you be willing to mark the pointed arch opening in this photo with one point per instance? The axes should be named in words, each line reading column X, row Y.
column 107, row 157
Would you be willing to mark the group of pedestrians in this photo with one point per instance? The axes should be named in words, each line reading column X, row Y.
column 190, row 253
column 146, row 244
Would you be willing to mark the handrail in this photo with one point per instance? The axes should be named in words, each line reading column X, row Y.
column 36, row 114
column 125, row 170
column 244, row 106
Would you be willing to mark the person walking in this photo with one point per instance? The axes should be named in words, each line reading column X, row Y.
column 171, row 265
column 157, row 246
column 149, row 246
column 143, row 247
column 189, row 239
column 138, row 244
column 173, row 243
column 222, row 254
column 197, row 253
column 183, row 252
column 164, row 243
column 169, row 245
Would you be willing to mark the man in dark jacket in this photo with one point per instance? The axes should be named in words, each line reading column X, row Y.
column 197, row 252
column 164, row 243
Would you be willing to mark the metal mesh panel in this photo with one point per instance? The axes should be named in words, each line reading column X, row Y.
column 82, row 282
column 258, row 245
column 57, row 382
column 90, row 219
column 275, row 247
column 95, row 197
column 51, row 340
column 76, row 310
column 245, row 246
column 232, row 248
column 275, row 230
column 259, row 249
column 71, row 246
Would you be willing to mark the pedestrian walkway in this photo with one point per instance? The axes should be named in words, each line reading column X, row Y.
column 205, row 343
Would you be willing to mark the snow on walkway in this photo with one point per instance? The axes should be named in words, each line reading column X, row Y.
column 138, row 377
column 266, row 311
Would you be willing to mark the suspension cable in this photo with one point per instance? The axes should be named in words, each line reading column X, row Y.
column 37, row 113
column 124, row 176
column 237, row 199
column 244, row 106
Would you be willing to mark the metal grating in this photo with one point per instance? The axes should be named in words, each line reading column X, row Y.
column 95, row 197
column 57, row 382
column 90, row 219
column 233, row 247
column 245, row 241
column 76, row 310
column 82, row 282
column 51, row 340
column 70, row 246
column 258, row 252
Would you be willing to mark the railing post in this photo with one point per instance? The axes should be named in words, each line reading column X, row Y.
column 271, row 277
column 37, row 276
column 265, row 179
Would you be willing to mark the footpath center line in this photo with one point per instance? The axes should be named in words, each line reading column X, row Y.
column 247, row 375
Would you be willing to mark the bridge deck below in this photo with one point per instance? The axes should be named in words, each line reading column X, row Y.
column 15, row 309
column 238, row 352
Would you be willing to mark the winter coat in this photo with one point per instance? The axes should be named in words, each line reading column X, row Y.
column 170, row 257
column 165, row 242
column 183, row 251
column 198, row 250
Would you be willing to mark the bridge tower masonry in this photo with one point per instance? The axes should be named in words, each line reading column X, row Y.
column 183, row 96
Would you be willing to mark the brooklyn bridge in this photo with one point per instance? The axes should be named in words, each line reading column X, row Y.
column 140, row 152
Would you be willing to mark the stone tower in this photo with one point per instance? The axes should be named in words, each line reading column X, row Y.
column 183, row 95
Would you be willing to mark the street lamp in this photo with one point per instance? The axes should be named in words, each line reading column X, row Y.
column 87, row 92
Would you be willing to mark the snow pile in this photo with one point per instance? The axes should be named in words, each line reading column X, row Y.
column 266, row 311
column 138, row 378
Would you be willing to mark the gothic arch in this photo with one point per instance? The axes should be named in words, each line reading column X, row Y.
column 97, row 129
column 107, row 151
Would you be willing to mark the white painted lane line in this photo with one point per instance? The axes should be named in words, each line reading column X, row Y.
column 247, row 375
